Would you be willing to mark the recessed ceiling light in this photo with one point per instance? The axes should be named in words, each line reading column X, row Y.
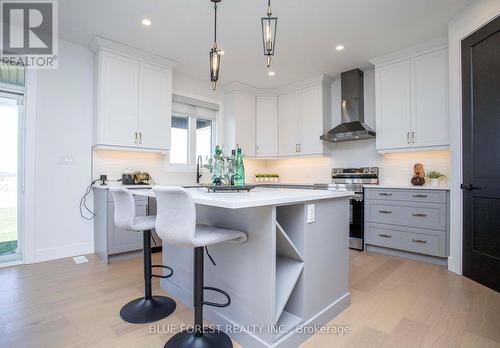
column 339, row 47
column 146, row 22
column 271, row 73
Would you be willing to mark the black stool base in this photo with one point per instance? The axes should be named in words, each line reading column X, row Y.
column 142, row 310
column 210, row 339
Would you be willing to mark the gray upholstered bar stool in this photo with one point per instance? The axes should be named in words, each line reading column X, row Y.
column 149, row 308
column 176, row 224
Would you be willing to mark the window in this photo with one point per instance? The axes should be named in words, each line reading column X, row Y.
column 179, row 140
column 191, row 136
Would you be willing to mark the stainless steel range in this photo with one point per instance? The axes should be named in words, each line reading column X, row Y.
column 353, row 179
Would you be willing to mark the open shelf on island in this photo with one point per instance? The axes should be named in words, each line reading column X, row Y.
column 287, row 273
column 287, row 323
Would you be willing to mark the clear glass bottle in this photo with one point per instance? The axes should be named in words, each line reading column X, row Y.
column 218, row 169
column 239, row 176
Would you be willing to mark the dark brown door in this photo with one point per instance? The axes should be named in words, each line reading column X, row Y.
column 481, row 155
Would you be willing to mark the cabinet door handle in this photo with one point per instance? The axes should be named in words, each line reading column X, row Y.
column 421, row 241
column 140, row 137
column 300, row 147
column 419, row 215
column 413, row 137
column 135, row 141
column 383, row 235
column 385, row 194
column 257, row 149
column 385, row 212
column 419, row 196
column 408, row 137
column 297, row 148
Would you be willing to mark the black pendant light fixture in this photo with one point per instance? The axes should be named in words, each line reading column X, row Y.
column 269, row 25
column 215, row 52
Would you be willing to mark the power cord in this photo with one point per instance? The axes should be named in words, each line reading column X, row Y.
column 84, row 209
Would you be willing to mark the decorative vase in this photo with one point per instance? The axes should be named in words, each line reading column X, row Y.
column 434, row 182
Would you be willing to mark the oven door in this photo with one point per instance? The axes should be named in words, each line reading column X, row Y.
column 356, row 223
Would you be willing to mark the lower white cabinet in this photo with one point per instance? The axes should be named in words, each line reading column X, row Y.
column 266, row 127
column 411, row 97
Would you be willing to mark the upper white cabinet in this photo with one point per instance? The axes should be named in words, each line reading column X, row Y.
column 289, row 124
column 155, row 105
column 411, row 97
column 133, row 99
column 282, row 122
column 304, row 116
column 118, row 101
column 266, row 126
column 239, row 117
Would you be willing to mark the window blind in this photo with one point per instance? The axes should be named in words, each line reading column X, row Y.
column 194, row 107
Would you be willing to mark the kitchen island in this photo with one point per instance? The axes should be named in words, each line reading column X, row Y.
column 288, row 279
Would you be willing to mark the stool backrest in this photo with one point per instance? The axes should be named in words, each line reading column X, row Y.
column 175, row 215
column 124, row 207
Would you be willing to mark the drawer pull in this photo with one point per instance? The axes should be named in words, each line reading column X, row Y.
column 420, row 215
column 421, row 241
column 419, row 196
column 384, row 235
column 385, row 212
column 385, row 194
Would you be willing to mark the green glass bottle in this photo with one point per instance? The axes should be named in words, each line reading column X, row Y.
column 239, row 175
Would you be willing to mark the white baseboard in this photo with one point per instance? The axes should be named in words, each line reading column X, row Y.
column 63, row 251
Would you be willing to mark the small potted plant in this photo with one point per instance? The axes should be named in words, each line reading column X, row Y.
column 435, row 176
column 276, row 178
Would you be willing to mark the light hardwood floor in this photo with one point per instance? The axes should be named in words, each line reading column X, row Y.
column 395, row 303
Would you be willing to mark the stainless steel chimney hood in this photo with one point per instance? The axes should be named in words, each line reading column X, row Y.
column 352, row 126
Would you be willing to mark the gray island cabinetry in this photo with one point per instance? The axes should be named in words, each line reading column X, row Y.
column 290, row 275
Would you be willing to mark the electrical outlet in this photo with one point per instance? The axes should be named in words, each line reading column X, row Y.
column 310, row 213
column 66, row 160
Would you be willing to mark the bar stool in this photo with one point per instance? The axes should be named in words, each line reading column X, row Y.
column 176, row 224
column 149, row 308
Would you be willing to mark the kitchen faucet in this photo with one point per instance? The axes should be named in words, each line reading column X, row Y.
column 199, row 161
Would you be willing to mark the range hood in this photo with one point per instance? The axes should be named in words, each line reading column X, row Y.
column 352, row 105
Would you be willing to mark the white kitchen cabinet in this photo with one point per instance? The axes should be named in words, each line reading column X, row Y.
column 312, row 120
column 393, row 109
column 429, row 99
column 304, row 116
column 155, row 105
column 133, row 103
column 118, row 102
column 412, row 103
column 239, row 114
column 289, row 123
column 266, row 126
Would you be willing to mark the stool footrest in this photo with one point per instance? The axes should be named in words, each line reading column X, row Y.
column 214, row 304
column 164, row 267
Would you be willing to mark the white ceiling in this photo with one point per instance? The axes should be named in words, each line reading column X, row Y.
column 308, row 31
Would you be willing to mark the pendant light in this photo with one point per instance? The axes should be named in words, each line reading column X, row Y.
column 269, row 25
column 215, row 52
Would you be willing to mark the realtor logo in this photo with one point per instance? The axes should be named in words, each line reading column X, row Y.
column 29, row 33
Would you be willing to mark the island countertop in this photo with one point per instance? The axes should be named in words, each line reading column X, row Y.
column 256, row 198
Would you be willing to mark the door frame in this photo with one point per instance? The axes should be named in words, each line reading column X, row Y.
column 17, row 94
column 471, row 19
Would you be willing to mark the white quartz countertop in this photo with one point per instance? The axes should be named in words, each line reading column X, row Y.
column 256, row 198
column 107, row 187
column 407, row 187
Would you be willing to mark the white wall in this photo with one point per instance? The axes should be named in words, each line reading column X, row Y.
column 469, row 20
column 63, row 128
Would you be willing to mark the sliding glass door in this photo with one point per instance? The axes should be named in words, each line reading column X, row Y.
column 11, row 150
